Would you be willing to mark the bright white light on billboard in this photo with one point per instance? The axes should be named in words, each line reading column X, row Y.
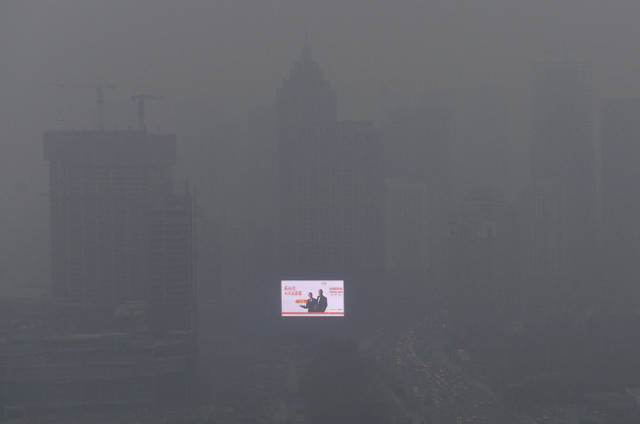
column 312, row 298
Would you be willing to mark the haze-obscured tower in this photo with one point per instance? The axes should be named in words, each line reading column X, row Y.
column 118, row 232
column 306, row 99
column 484, row 287
column 360, row 189
column 418, row 143
column 307, row 120
column 330, row 182
column 563, row 171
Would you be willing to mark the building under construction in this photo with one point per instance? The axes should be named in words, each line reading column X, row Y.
column 120, row 327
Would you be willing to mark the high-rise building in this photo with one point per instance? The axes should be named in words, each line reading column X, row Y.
column 120, row 333
column 49, row 372
column 307, row 120
column 563, row 172
column 484, row 273
column 118, row 232
column 330, row 182
column 171, row 268
column 418, row 143
column 406, row 248
column 360, row 189
column 305, row 100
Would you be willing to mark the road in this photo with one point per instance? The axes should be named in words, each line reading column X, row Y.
column 425, row 383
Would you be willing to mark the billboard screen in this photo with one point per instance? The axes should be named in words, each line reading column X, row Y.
column 312, row 298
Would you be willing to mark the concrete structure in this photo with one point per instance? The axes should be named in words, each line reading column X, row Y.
column 119, row 332
column 307, row 119
column 417, row 147
column 118, row 232
column 49, row 369
column 172, row 271
column 406, row 248
column 485, row 276
column 103, row 187
column 330, row 183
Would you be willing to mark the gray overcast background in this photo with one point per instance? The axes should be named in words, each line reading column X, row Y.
column 214, row 61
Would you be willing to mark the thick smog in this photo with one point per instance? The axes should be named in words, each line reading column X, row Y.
column 340, row 211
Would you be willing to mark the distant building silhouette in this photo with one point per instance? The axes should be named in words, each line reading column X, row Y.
column 118, row 232
column 119, row 334
column 50, row 372
column 305, row 100
column 418, row 167
column 405, row 211
column 330, row 182
column 307, row 121
column 484, row 267
column 360, row 188
column 563, row 172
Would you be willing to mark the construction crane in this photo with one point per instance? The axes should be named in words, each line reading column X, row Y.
column 100, row 87
column 140, row 100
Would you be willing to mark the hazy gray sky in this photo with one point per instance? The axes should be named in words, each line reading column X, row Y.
column 200, row 48
column 213, row 60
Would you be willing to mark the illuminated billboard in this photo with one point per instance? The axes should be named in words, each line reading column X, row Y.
column 312, row 298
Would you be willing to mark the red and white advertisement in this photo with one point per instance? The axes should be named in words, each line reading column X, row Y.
column 312, row 298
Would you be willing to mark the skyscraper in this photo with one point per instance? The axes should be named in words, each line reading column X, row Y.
column 123, row 278
column 418, row 159
column 330, row 182
column 360, row 189
column 115, row 222
column 307, row 120
column 484, row 272
column 305, row 100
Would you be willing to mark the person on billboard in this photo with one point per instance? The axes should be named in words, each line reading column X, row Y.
column 312, row 304
column 322, row 301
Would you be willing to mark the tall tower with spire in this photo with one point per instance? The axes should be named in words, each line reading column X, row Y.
column 329, row 177
column 306, row 99
column 307, row 117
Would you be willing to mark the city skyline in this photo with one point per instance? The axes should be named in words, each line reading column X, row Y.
column 454, row 183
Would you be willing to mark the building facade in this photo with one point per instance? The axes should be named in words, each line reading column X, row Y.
column 418, row 141
column 330, row 183
column 118, row 231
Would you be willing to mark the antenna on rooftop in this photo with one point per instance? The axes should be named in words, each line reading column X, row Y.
column 100, row 87
column 140, row 100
